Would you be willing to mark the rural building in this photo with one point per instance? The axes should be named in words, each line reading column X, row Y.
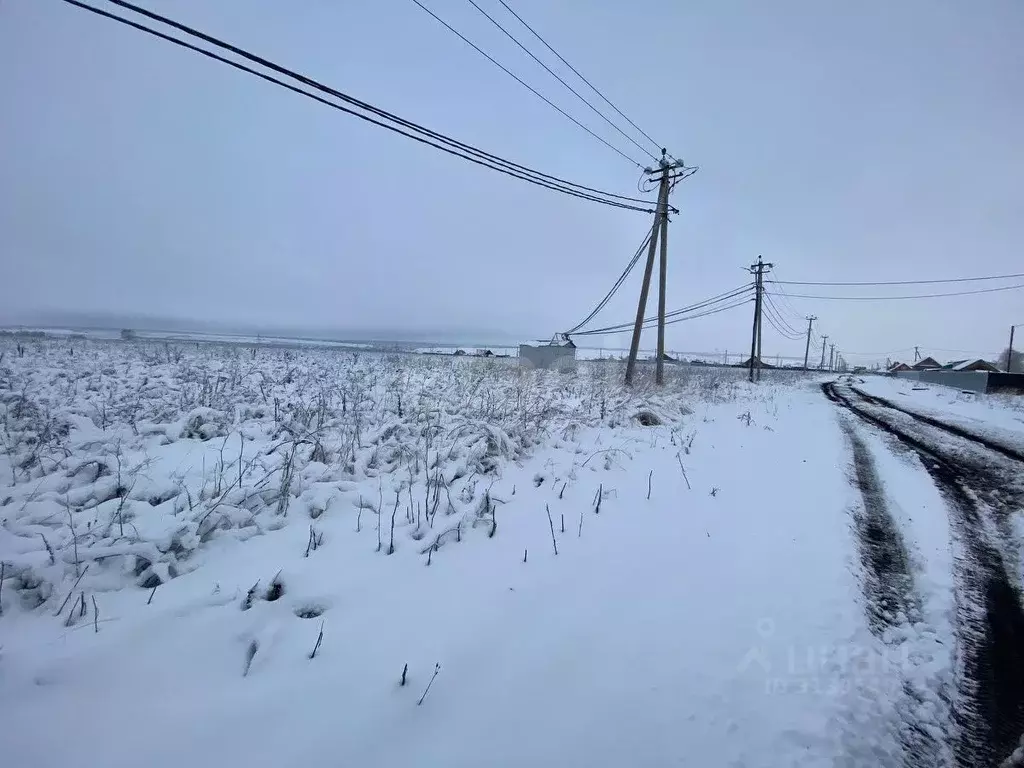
column 970, row 365
column 926, row 364
column 556, row 354
column 897, row 367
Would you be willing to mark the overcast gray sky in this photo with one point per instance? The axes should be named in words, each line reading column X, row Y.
column 874, row 140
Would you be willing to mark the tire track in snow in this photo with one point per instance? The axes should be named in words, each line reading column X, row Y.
column 1007, row 451
column 988, row 705
column 888, row 583
column 892, row 601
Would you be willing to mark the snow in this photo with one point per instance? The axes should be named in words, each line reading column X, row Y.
column 718, row 622
column 998, row 416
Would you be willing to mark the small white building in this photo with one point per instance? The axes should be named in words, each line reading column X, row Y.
column 560, row 355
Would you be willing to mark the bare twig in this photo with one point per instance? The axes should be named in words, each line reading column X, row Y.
column 49, row 550
column 95, row 615
column 3, row 568
column 405, row 671
column 73, row 587
column 683, row 470
column 151, row 594
column 649, row 476
column 74, row 536
column 319, row 639
column 551, row 525
column 524, row 555
column 391, row 547
column 249, row 596
column 437, row 668
column 563, row 489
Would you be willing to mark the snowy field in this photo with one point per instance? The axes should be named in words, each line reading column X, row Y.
column 215, row 556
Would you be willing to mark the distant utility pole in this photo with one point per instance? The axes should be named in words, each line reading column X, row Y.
column 917, row 354
column 807, row 349
column 831, row 358
column 757, row 270
column 660, row 226
column 824, row 344
column 1010, row 351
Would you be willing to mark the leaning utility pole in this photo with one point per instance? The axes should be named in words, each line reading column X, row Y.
column 807, row 349
column 660, row 226
column 831, row 358
column 917, row 354
column 1009, row 352
column 757, row 270
column 824, row 344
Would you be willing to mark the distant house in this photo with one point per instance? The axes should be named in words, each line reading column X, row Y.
column 897, row 367
column 486, row 353
column 559, row 353
column 971, row 365
column 926, row 364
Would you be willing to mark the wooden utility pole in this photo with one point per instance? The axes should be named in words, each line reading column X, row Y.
column 660, row 226
column 824, row 344
column 807, row 349
column 757, row 270
column 917, row 354
column 831, row 358
column 1009, row 352
column 659, row 366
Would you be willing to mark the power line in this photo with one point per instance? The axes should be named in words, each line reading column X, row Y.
column 523, row 83
column 618, row 283
column 577, row 73
column 433, row 138
column 774, row 322
column 555, row 75
column 906, row 282
column 785, row 298
column 706, row 313
column 706, row 303
column 779, row 316
column 917, row 296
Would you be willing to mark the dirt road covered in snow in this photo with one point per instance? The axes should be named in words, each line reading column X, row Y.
column 980, row 482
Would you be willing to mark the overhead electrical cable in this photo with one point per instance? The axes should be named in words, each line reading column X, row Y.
column 916, row 296
column 618, row 283
column 705, row 313
column 785, row 298
column 523, row 83
column 774, row 324
column 771, row 306
column 558, row 77
column 736, row 293
column 580, row 76
column 426, row 136
column 903, row 282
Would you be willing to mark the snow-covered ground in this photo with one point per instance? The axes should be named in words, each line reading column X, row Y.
column 180, row 525
column 1000, row 416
